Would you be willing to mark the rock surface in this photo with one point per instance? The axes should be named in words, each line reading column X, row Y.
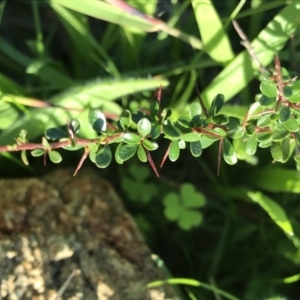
column 65, row 237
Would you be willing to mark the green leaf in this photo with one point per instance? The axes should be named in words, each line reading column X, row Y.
column 184, row 121
column 174, row 151
column 196, row 111
column 284, row 114
column 190, row 197
column 251, row 145
column 55, row 134
column 144, row 127
column 263, row 136
column 149, row 145
column 276, row 151
column 131, row 138
column 274, row 210
column 191, row 137
column 236, row 132
column 155, row 131
column 279, row 135
column 264, row 121
column 287, row 91
column 97, row 120
column 24, row 158
column 171, row 131
column 295, row 97
column 105, row 11
column 229, row 154
column 268, row 88
column 172, row 206
column 154, row 110
column 75, row 126
column 266, row 101
column 216, row 105
column 103, row 157
column 189, row 219
column 37, row 152
column 214, row 37
column 291, row 125
column 126, row 151
column 125, row 119
column 142, row 155
column 196, row 148
column 55, row 157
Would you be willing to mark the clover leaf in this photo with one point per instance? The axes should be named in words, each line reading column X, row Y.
column 135, row 184
column 181, row 207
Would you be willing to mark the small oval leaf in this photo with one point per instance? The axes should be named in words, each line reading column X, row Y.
column 191, row 137
column 37, row 152
column 55, row 157
column 144, row 127
column 131, row 138
column 196, row 148
column 55, row 134
column 97, row 120
column 126, row 151
column 284, row 114
column 174, row 151
column 268, row 88
column 142, row 155
column 229, row 153
column 103, row 157
column 171, row 131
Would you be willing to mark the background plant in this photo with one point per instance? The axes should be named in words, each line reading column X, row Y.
column 45, row 80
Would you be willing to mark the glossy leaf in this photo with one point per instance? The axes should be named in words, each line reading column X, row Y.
column 266, row 101
column 142, row 155
column 264, row 121
column 55, row 157
column 229, row 153
column 287, row 91
column 191, row 137
column 171, row 131
column 155, row 131
column 251, row 145
column 184, row 121
column 263, row 136
column 126, row 151
column 216, row 105
column 220, row 119
column 131, row 138
column 195, row 111
column 97, row 120
column 284, row 114
column 55, row 134
column 295, row 97
column 150, row 145
column 207, row 141
column 125, row 119
column 236, row 132
column 196, row 148
column 291, row 125
column 276, row 151
column 144, row 127
column 174, row 151
column 103, row 157
column 268, row 88
column 75, row 126
column 117, row 156
column 279, row 135
column 37, row 152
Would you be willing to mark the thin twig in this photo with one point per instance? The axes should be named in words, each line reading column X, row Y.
column 245, row 42
column 66, row 284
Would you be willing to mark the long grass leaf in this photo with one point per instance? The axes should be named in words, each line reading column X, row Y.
column 214, row 38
